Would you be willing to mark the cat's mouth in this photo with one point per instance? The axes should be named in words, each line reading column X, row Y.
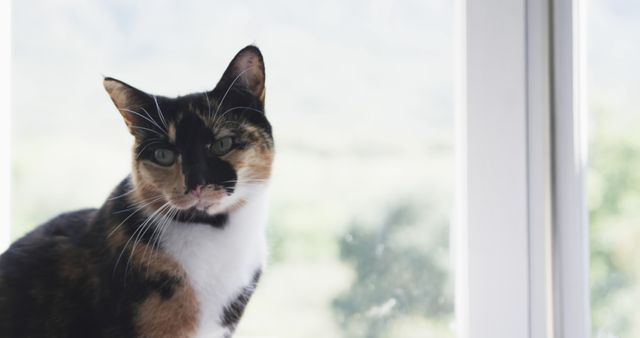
column 201, row 201
column 201, row 208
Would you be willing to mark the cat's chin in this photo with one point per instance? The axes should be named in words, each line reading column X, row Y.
column 220, row 203
column 203, row 207
column 202, row 202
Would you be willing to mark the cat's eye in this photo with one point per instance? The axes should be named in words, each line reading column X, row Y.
column 221, row 146
column 164, row 156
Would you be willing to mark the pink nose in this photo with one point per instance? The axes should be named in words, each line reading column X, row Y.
column 197, row 192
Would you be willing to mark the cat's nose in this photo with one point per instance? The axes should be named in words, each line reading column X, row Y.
column 197, row 191
column 193, row 181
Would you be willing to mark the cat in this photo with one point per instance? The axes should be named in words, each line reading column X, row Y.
column 178, row 247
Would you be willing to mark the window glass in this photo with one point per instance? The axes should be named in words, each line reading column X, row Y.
column 614, row 166
column 360, row 94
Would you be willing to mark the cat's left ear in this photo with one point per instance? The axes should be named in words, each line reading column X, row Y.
column 246, row 70
column 126, row 98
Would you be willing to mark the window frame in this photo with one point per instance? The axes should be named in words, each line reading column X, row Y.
column 521, row 164
column 492, row 274
column 570, row 149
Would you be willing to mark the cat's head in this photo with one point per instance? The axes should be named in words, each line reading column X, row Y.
column 205, row 152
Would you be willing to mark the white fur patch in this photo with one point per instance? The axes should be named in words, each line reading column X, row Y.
column 220, row 262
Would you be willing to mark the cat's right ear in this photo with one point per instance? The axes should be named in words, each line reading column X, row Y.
column 127, row 99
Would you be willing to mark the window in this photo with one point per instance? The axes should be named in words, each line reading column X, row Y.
column 361, row 97
column 432, row 176
column 613, row 181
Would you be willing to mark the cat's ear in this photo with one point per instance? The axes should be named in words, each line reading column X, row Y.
column 127, row 99
column 246, row 70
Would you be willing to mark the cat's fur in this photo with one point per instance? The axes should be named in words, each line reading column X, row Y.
column 178, row 248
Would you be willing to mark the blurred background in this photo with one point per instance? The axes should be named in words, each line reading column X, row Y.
column 613, row 75
column 361, row 97
column 360, row 94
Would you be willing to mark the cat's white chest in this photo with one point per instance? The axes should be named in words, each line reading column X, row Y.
column 220, row 262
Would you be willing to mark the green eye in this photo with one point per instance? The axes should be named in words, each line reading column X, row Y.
column 164, row 156
column 221, row 146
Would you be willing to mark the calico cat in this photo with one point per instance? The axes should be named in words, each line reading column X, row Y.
column 178, row 247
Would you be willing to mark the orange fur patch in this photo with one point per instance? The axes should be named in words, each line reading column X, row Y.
column 172, row 132
column 176, row 317
column 157, row 317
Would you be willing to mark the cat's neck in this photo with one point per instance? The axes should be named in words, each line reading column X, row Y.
column 221, row 262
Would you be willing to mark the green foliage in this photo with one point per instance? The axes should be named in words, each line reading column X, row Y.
column 393, row 277
column 614, row 196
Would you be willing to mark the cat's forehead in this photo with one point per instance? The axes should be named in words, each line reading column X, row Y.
column 195, row 113
column 195, row 104
column 195, row 126
column 200, row 116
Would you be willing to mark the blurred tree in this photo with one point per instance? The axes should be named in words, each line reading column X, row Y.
column 614, row 196
column 393, row 276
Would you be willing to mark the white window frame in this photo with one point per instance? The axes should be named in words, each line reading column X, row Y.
column 492, row 280
column 522, row 245
column 571, row 221
column 521, row 241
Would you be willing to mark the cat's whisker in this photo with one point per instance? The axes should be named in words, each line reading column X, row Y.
column 144, row 117
column 144, row 201
column 162, row 229
column 229, row 88
column 135, row 205
column 155, row 228
column 241, row 181
column 121, row 195
column 151, row 245
column 235, row 108
column 142, row 230
column 206, row 95
column 131, row 215
column 159, row 214
column 162, row 219
column 147, row 129
column 158, row 232
column 164, row 122
column 168, row 217
column 128, row 241
column 166, row 128
column 243, row 107
column 145, row 147
column 247, row 178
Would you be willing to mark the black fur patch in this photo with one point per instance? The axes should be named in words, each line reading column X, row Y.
column 196, row 216
column 234, row 310
column 199, row 168
column 61, row 281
